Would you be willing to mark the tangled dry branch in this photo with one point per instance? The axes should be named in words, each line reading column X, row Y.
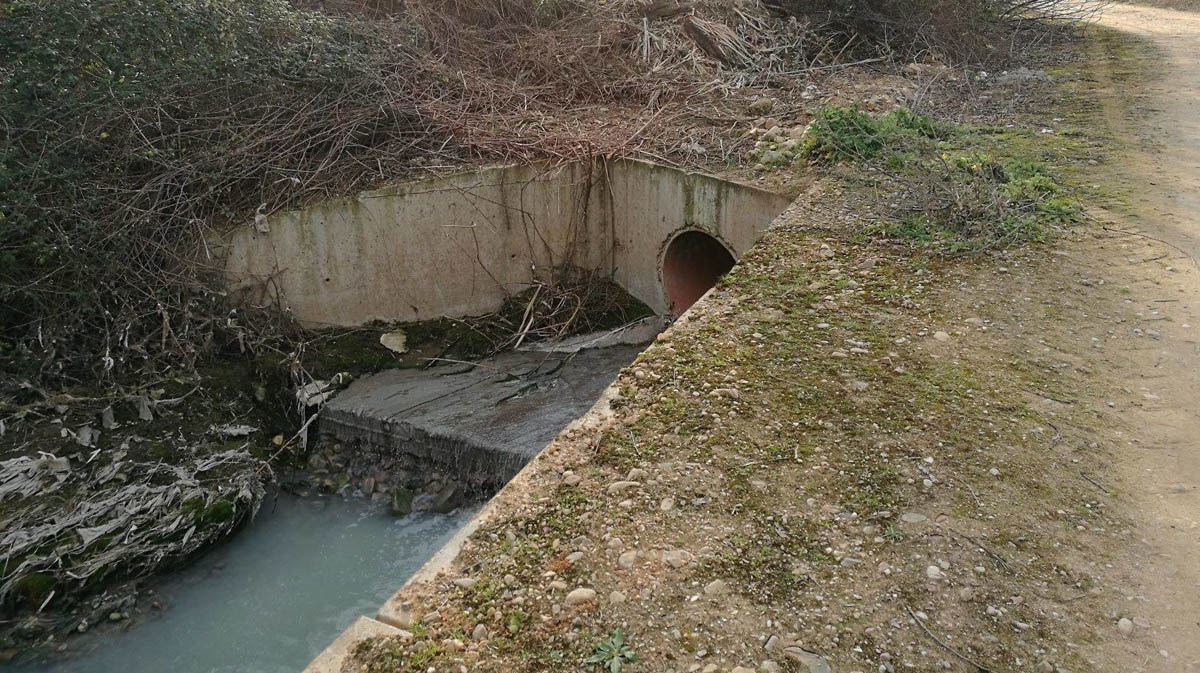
column 132, row 131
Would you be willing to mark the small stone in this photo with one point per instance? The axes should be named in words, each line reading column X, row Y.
column 580, row 596
column 813, row 661
column 966, row 594
column 761, row 106
column 715, row 588
column 574, row 557
column 934, row 573
column 667, row 504
column 638, row 474
column 769, row 666
column 676, row 558
column 115, row 617
column 994, row 472
column 742, row 669
column 771, row 157
column 558, row 585
column 480, row 633
column 447, row 499
column 627, row 559
column 941, row 336
column 572, row 479
column 1125, row 626
column 400, row 616
column 402, row 502
column 618, row 487
column 465, row 582
column 424, row 502
column 616, row 598
column 912, row 517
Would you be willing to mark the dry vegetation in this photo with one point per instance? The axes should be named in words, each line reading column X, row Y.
column 133, row 130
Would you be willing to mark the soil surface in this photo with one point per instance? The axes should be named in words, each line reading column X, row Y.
column 1161, row 456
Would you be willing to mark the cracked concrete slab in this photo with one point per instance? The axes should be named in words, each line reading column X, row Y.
column 481, row 422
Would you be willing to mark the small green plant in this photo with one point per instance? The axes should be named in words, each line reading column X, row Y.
column 612, row 653
column 846, row 133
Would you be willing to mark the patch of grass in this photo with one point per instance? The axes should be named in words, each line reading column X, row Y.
column 847, row 134
column 970, row 202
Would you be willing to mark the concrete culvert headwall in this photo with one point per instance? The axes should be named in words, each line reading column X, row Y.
column 459, row 245
column 692, row 264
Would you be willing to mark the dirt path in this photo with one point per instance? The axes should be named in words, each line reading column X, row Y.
column 1161, row 457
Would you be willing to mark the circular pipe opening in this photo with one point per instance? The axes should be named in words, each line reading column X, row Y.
column 693, row 263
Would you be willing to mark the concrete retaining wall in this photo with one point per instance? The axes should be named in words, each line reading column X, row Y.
column 458, row 245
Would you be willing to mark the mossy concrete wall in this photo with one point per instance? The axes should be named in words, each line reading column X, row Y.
column 459, row 245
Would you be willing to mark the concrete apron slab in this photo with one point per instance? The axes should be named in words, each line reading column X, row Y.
column 481, row 423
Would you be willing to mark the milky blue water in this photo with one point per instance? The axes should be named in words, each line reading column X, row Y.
column 273, row 597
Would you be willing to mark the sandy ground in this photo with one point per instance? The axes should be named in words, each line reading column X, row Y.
column 1161, row 457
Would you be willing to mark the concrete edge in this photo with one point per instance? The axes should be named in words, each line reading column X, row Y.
column 544, row 167
column 330, row 659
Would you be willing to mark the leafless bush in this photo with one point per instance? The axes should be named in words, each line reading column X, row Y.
column 951, row 29
column 119, row 169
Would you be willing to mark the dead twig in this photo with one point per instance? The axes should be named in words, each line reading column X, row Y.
column 944, row 646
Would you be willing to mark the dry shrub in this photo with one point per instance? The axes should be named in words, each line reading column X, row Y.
column 949, row 29
column 131, row 131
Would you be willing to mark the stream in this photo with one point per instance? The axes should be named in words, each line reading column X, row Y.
column 273, row 597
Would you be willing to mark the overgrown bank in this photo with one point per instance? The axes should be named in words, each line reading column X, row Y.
column 133, row 132
column 863, row 453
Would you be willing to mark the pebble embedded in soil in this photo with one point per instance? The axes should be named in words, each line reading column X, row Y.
column 580, row 596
